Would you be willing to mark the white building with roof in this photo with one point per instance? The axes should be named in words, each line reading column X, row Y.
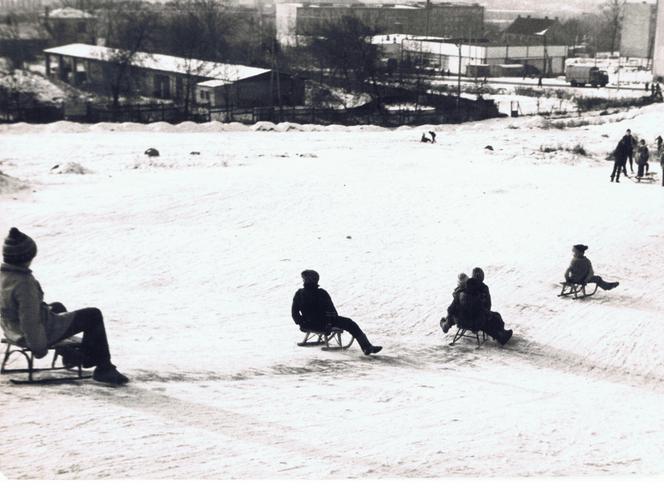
column 168, row 77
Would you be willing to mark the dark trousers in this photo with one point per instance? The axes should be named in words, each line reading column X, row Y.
column 90, row 322
column 353, row 329
column 599, row 281
column 617, row 168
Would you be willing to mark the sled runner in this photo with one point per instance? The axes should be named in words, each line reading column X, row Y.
column 576, row 290
column 332, row 340
column 473, row 334
column 58, row 348
column 647, row 178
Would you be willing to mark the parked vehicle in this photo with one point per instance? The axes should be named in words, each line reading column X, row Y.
column 580, row 75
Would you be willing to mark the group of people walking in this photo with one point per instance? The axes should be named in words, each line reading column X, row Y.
column 629, row 148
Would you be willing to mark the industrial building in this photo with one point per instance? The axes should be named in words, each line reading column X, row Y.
column 297, row 23
column 637, row 34
column 169, row 77
column 485, row 58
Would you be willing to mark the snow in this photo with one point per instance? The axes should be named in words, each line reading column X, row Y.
column 194, row 259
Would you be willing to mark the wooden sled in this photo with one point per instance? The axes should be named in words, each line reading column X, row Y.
column 649, row 177
column 76, row 372
column 578, row 291
column 331, row 341
column 474, row 334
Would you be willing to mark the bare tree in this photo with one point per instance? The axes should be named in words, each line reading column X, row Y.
column 345, row 48
column 613, row 13
column 195, row 31
column 127, row 29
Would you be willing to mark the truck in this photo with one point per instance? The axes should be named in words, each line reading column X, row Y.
column 580, row 75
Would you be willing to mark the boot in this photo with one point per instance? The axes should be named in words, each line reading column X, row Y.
column 109, row 374
column 445, row 325
column 505, row 336
column 372, row 350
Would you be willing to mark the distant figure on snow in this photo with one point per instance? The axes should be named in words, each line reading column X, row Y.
column 314, row 311
column 580, row 270
column 620, row 154
column 433, row 136
column 659, row 141
column 447, row 322
column 425, row 139
column 27, row 321
column 630, row 145
column 642, row 156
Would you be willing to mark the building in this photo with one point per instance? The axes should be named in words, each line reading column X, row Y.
column 637, row 33
column 68, row 25
column 297, row 23
column 658, row 51
column 532, row 31
column 169, row 77
column 22, row 41
column 485, row 57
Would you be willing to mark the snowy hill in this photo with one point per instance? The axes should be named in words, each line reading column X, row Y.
column 194, row 259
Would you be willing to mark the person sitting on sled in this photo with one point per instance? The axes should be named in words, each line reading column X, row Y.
column 471, row 312
column 313, row 311
column 580, row 270
column 447, row 322
column 29, row 322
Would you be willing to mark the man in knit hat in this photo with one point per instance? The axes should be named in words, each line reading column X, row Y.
column 313, row 311
column 27, row 321
column 580, row 270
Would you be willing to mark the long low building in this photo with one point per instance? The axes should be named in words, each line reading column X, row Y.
column 169, row 77
column 462, row 56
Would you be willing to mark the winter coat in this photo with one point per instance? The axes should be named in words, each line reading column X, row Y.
column 485, row 296
column 25, row 319
column 642, row 155
column 471, row 313
column 622, row 152
column 580, row 270
column 313, row 309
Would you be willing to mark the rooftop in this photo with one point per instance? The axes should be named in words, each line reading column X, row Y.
column 531, row 26
column 165, row 63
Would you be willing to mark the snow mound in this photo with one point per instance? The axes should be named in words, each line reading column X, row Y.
column 70, row 168
column 9, row 184
column 263, row 127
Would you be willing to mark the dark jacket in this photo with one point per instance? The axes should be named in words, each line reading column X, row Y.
column 623, row 151
column 471, row 312
column 642, row 155
column 580, row 270
column 485, row 296
column 313, row 309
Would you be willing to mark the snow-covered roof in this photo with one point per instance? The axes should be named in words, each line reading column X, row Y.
column 212, row 83
column 165, row 63
column 69, row 13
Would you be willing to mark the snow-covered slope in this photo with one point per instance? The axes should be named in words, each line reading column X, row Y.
column 194, row 259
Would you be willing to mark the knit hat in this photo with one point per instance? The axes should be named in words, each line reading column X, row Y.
column 478, row 274
column 581, row 248
column 18, row 248
column 310, row 277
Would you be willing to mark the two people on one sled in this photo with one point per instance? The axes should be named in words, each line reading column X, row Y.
column 29, row 322
column 580, row 270
column 313, row 311
column 471, row 308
